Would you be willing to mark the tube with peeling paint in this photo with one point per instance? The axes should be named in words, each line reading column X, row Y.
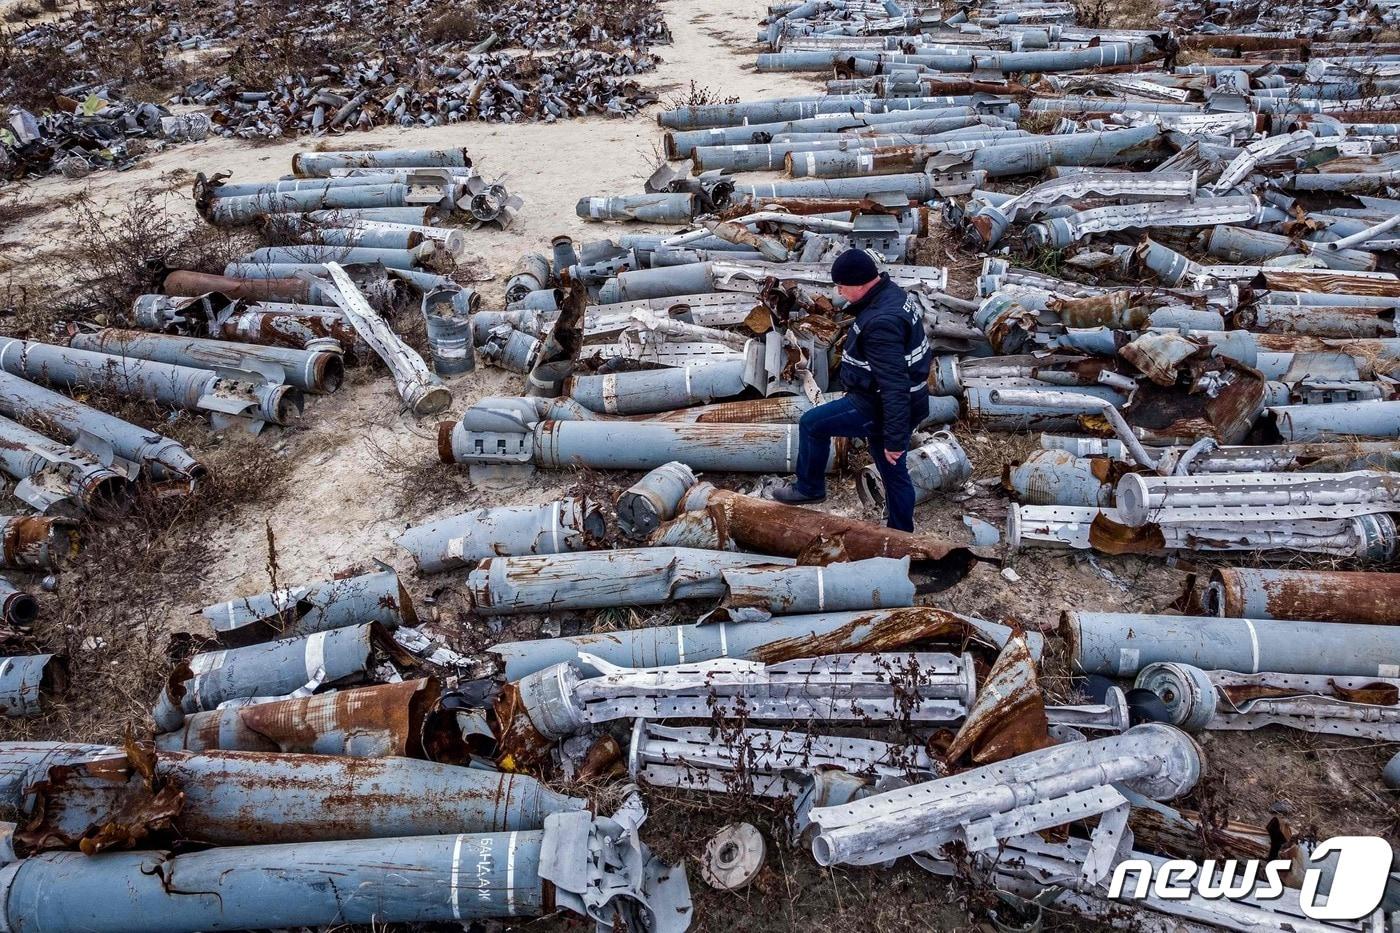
column 27, row 683
column 316, row 607
column 414, row 879
column 319, row 370
column 601, row 579
column 225, row 399
column 35, row 542
column 569, row 524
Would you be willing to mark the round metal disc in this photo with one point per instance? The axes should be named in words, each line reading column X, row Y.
column 733, row 857
column 1186, row 691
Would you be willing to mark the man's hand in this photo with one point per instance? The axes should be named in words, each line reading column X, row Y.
column 892, row 456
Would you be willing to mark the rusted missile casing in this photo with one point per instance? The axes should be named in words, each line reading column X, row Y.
column 402, row 719
column 247, row 798
column 294, row 329
column 192, row 284
column 1310, row 595
column 767, row 527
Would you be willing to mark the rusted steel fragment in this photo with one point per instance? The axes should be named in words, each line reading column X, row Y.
column 193, row 284
column 277, row 670
column 243, row 798
column 769, row 527
column 781, row 639
column 1187, row 834
column 301, row 610
column 403, row 719
column 1320, row 595
column 36, row 542
column 1008, row 717
column 1334, row 283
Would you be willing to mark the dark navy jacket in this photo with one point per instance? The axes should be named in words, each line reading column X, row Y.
column 885, row 363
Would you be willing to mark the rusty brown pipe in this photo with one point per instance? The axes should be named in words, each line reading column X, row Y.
column 1307, row 595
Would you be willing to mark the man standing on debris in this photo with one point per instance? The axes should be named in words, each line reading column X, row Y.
column 884, row 369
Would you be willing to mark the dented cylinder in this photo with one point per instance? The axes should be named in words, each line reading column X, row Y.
column 301, row 610
column 602, row 579
column 655, row 390
column 449, row 332
column 1058, row 477
column 318, row 370
column 571, row 524
column 939, row 465
column 26, row 683
column 874, row 583
column 1317, row 595
column 653, row 499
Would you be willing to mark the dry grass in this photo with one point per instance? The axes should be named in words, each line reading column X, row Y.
column 697, row 96
column 1118, row 14
column 108, row 260
column 111, row 613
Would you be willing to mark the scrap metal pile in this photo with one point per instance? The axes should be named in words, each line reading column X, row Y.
column 270, row 70
column 333, row 760
column 1192, row 292
column 243, row 348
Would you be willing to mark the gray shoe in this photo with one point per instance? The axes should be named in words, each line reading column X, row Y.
column 788, row 494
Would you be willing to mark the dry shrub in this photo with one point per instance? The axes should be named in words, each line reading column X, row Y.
column 463, row 24
column 698, row 96
column 112, row 614
column 112, row 259
column 1118, row 14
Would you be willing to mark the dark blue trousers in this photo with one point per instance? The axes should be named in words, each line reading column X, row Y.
column 846, row 417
